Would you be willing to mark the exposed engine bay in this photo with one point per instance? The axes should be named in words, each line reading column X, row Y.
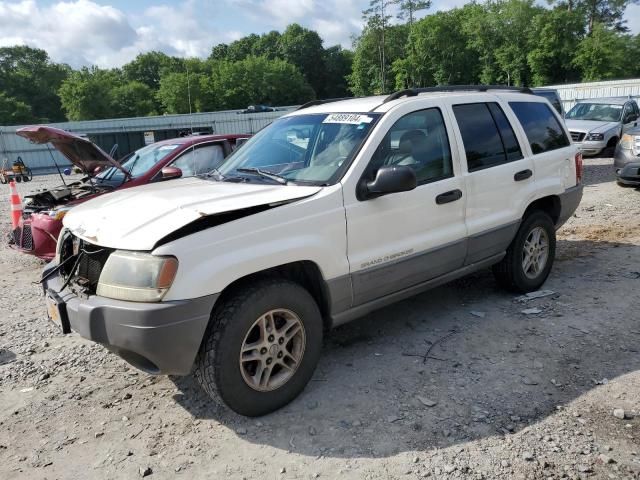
column 61, row 195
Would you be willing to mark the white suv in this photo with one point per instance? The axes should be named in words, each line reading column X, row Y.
column 332, row 211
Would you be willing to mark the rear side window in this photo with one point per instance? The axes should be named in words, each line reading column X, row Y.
column 541, row 126
column 487, row 135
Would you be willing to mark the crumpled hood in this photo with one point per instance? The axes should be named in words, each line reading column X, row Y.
column 83, row 153
column 591, row 126
column 137, row 218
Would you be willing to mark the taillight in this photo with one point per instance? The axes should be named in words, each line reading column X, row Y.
column 578, row 167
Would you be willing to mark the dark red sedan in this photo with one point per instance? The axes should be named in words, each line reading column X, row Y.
column 165, row 160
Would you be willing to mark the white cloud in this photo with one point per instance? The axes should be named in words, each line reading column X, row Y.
column 82, row 32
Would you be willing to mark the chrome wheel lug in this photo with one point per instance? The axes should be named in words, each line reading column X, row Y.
column 269, row 360
column 281, row 340
column 279, row 354
column 271, row 338
column 263, row 350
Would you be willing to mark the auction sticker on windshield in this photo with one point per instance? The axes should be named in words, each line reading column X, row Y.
column 348, row 118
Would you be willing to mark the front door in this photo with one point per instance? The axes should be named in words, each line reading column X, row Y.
column 402, row 239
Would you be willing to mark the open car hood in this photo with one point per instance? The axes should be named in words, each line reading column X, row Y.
column 138, row 218
column 83, row 153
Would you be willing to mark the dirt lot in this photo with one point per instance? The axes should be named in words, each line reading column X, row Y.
column 501, row 394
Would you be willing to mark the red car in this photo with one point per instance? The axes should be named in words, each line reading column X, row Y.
column 174, row 158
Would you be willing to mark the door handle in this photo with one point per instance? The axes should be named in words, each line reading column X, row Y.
column 448, row 197
column 523, row 175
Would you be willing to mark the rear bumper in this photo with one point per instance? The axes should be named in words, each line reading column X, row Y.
column 569, row 201
column 158, row 338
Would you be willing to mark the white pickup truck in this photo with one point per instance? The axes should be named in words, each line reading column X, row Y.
column 332, row 211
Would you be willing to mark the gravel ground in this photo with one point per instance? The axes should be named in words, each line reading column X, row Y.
column 553, row 393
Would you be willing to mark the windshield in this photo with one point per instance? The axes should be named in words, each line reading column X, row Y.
column 138, row 163
column 600, row 112
column 314, row 148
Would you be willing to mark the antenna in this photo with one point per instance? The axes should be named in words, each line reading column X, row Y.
column 186, row 64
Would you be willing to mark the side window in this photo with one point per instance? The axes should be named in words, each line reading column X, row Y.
column 540, row 125
column 417, row 140
column 487, row 135
column 200, row 160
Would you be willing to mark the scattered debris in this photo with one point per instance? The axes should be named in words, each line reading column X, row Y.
column 478, row 314
column 145, row 471
column 426, row 402
column 536, row 294
column 531, row 311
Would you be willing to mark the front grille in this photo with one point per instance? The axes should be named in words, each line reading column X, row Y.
column 577, row 136
column 22, row 237
column 88, row 261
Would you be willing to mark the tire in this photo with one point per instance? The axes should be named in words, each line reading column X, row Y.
column 235, row 323
column 18, row 178
column 610, row 149
column 510, row 272
column 29, row 175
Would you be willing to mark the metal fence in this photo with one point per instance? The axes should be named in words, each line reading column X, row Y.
column 129, row 134
column 570, row 93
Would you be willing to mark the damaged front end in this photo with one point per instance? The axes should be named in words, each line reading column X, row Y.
column 42, row 218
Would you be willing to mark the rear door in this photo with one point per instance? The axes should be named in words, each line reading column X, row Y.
column 400, row 240
column 498, row 175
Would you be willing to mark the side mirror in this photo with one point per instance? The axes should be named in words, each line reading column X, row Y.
column 171, row 172
column 391, row 179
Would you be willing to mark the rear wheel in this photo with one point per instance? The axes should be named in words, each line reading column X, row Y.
column 530, row 256
column 262, row 347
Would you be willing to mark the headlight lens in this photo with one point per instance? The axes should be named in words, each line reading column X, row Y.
column 137, row 276
column 59, row 212
column 630, row 142
column 595, row 137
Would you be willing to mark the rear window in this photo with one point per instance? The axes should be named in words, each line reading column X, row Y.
column 487, row 135
column 541, row 126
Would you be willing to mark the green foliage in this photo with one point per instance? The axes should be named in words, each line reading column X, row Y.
column 514, row 42
column 604, row 55
column 14, row 112
column 28, row 76
column 258, row 80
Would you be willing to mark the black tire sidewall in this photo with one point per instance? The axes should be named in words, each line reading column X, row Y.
column 535, row 219
column 231, row 387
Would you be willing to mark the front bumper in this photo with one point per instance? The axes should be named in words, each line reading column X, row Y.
column 38, row 236
column 627, row 167
column 591, row 148
column 569, row 201
column 158, row 338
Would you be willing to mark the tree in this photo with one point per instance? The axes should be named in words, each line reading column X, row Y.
column 554, row 39
column 14, row 112
column 86, row 93
column 407, row 10
column 29, row 77
column 338, row 63
column 365, row 78
column 132, row 99
column 303, row 48
column 258, row 80
column 603, row 55
column 149, row 67
column 377, row 18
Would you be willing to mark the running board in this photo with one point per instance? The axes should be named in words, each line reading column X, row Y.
column 361, row 310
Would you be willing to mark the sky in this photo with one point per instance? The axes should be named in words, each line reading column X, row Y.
column 109, row 33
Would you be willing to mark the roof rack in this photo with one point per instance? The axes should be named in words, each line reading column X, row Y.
column 313, row 103
column 412, row 92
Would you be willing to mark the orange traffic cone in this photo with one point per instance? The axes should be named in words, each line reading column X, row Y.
column 16, row 206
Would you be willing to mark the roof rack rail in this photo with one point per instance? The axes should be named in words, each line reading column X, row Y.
column 412, row 92
column 313, row 103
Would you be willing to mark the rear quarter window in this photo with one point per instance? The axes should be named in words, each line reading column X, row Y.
column 541, row 126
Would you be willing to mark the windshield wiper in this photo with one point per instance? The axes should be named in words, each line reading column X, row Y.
column 215, row 173
column 270, row 175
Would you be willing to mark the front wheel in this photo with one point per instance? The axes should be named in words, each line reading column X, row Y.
column 530, row 256
column 262, row 347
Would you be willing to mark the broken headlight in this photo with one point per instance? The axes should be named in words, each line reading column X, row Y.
column 136, row 276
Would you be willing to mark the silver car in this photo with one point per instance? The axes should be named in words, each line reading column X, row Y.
column 598, row 124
